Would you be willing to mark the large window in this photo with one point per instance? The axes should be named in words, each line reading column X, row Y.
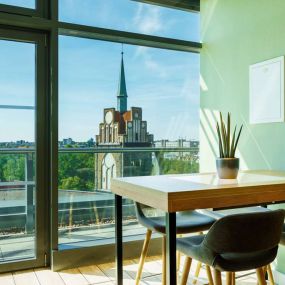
column 110, row 104
column 89, row 90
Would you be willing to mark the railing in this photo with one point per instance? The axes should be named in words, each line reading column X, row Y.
column 78, row 208
column 104, row 150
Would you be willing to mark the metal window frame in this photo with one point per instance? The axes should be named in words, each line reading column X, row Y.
column 40, row 10
column 41, row 99
column 186, row 5
column 82, row 31
column 44, row 20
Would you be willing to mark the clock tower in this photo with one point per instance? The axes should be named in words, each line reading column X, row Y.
column 122, row 128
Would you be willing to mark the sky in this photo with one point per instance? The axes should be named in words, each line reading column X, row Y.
column 164, row 83
column 21, row 3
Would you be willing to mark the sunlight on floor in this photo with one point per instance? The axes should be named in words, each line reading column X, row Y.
column 104, row 274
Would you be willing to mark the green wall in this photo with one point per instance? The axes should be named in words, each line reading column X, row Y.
column 236, row 34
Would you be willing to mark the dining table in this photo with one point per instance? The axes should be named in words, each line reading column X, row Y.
column 184, row 192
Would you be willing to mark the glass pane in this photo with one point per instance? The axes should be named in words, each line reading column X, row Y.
column 149, row 99
column 17, row 150
column 17, row 74
column 132, row 16
column 21, row 3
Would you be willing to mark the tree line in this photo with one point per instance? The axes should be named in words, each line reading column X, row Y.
column 76, row 171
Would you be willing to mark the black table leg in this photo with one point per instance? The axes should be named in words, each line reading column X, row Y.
column 171, row 249
column 119, row 239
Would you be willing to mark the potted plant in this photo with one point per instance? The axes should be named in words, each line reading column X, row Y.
column 227, row 164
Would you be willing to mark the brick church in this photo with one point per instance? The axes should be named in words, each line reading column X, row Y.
column 122, row 128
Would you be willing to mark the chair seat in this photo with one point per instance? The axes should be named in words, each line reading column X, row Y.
column 222, row 213
column 230, row 262
column 186, row 222
column 282, row 241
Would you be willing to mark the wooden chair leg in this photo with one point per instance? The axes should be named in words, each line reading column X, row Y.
column 229, row 278
column 178, row 256
column 178, row 260
column 260, row 276
column 186, row 269
column 209, row 274
column 143, row 256
column 164, row 260
column 197, row 272
column 218, row 277
column 198, row 268
column 233, row 278
column 270, row 275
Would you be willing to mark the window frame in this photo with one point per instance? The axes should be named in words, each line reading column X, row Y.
column 40, row 9
column 186, row 5
column 41, row 137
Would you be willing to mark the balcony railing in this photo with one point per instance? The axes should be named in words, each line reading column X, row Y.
column 85, row 213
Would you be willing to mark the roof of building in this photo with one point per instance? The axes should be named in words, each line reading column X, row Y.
column 122, row 90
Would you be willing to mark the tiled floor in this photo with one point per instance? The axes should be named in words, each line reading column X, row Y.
column 104, row 274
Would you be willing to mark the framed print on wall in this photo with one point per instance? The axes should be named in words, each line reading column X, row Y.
column 266, row 84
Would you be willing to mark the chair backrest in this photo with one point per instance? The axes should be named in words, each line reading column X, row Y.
column 139, row 209
column 282, row 241
column 245, row 233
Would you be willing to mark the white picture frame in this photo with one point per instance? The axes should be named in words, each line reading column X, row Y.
column 266, row 88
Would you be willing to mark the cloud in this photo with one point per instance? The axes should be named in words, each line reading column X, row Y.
column 189, row 91
column 148, row 19
column 155, row 67
column 140, row 51
column 149, row 62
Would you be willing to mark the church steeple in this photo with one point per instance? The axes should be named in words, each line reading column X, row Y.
column 122, row 90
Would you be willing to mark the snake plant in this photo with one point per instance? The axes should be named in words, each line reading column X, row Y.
column 227, row 145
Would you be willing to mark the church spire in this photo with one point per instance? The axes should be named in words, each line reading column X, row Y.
column 122, row 90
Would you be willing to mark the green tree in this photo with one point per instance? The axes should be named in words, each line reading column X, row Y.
column 76, row 171
column 3, row 161
column 178, row 166
column 71, row 183
column 12, row 168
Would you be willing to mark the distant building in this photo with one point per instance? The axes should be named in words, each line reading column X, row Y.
column 125, row 129
column 180, row 143
column 68, row 141
column 20, row 142
column 122, row 128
